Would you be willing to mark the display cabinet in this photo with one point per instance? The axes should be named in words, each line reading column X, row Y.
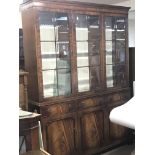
column 77, row 58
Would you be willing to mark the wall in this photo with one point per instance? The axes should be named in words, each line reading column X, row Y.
column 131, row 31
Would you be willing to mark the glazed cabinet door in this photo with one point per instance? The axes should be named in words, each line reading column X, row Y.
column 87, row 29
column 55, row 53
column 61, row 137
column 116, row 51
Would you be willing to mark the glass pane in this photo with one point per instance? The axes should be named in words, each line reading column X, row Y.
column 82, row 54
column 120, row 50
column 50, row 83
column 48, row 61
column 64, row 86
column 110, row 46
column 48, row 55
column 109, row 59
column 81, row 34
column 93, row 27
column 120, row 23
column 109, row 34
column 120, row 68
column 109, row 22
column 93, row 48
column 47, row 33
column 46, row 20
column 63, row 55
column 81, row 21
column 94, row 60
column 47, row 47
column 109, row 28
column 83, row 79
column 109, row 75
column 61, row 27
column 94, row 77
column 120, row 35
column 119, row 79
column 81, row 28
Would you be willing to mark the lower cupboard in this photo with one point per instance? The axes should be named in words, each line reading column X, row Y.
column 82, row 126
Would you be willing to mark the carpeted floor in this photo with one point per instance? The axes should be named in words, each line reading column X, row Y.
column 124, row 150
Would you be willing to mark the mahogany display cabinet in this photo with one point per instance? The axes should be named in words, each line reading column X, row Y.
column 78, row 63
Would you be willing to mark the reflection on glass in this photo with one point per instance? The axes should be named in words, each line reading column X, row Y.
column 61, row 27
column 50, row 83
column 109, row 58
column 120, row 23
column 120, row 35
column 48, row 63
column 82, row 47
column 94, row 77
column 93, row 48
column 109, row 22
column 46, row 20
column 81, row 34
column 109, row 46
column 63, row 55
column 94, row 60
column 120, row 68
column 82, row 61
column 120, row 50
column 64, row 87
column 119, row 79
column 110, row 34
column 109, row 75
column 82, row 54
column 47, row 33
column 93, row 33
column 47, row 47
column 81, row 28
column 83, row 79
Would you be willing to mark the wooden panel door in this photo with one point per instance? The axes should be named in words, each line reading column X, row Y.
column 117, row 132
column 92, row 130
column 61, row 137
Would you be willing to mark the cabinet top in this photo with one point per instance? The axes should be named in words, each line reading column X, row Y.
column 66, row 4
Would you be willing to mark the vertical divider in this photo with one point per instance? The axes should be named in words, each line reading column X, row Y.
column 72, row 36
column 102, row 53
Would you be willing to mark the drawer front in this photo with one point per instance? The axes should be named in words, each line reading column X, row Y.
column 58, row 109
column 117, row 98
column 90, row 102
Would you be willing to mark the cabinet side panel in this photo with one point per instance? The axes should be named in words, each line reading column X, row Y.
column 30, row 53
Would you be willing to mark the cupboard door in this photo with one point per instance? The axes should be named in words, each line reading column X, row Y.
column 92, row 130
column 115, row 49
column 61, row 137
column 55, row 53
column 117, row 132
column 87, row 48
